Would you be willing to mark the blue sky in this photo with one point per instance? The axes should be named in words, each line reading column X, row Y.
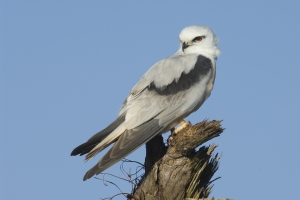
column 67, row 66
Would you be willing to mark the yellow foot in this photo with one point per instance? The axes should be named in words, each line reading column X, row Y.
column 183, row 124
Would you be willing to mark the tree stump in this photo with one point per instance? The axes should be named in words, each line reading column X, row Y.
column 179, row 171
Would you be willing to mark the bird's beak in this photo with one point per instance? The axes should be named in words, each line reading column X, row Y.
column 184, row 46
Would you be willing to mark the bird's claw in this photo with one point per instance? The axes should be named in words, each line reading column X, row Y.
column 182, row 124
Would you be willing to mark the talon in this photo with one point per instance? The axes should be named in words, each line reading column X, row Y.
column 185, row 123
column 182, row 124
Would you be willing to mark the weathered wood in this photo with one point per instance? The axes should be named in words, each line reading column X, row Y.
column 208, row 199
column 178, row 171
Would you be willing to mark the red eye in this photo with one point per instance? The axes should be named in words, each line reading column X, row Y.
column 198, row 39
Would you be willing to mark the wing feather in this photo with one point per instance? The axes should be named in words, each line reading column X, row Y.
column 170, row 90
column 98, row 137
column 187, row 92
column 127, row 143
column 166, row 71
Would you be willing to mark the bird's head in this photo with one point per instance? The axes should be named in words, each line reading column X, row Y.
column 199, row 40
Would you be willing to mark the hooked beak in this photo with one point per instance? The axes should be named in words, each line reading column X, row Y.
column 184, row 46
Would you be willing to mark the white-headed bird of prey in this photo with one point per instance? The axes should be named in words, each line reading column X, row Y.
column 168, row 92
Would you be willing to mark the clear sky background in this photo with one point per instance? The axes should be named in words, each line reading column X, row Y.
column 67, row 66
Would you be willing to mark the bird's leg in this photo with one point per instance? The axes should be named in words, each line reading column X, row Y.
column 182, row 124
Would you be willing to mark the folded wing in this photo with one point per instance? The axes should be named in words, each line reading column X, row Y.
column 170, row 90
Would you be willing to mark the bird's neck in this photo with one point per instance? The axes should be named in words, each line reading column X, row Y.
column 211, row 52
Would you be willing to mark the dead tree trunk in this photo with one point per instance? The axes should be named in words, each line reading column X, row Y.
column 179, row 171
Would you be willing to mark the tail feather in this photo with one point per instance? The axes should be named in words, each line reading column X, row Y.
column 126, row 143
column 97, row 138
column 112, row 137
column 83, row 149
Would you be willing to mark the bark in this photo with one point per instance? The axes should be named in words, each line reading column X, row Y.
column 178, row 171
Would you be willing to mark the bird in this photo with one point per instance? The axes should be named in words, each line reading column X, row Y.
column 168, row 92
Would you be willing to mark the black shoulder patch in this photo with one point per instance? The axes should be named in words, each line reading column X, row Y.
column 202, row 68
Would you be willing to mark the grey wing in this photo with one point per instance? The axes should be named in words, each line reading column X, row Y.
column 162, row 96
column 157, row 107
